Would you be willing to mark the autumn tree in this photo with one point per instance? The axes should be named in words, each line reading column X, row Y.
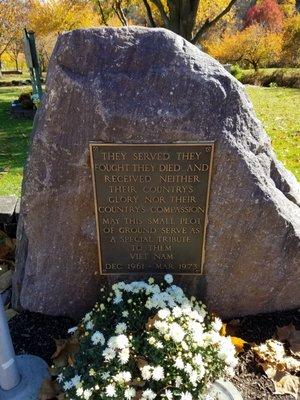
column 189, row 18
column 266, row 13
column 15, row 48
column 291, row 42
column 48, row 19
column 253, row 46
column 288, row 7
column 13, row 16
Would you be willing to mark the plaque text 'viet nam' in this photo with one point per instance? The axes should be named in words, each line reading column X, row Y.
column 151, row 206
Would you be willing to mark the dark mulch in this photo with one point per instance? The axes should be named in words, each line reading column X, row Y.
column 35, row 333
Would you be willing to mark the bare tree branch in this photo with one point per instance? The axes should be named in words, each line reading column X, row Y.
column 208, row 24
column 102, row 14
column 149, row 13
column 162, row 12
column 119, row 11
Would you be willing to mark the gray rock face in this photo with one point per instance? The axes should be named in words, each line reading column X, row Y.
column 149, row 85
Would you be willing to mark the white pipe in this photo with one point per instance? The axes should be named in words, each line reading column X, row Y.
column 9, row 374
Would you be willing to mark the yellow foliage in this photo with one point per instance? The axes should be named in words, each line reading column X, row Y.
column 210, row 9
column 55, row 16
column 253, row 45
column 288, row 7
column 291, row 41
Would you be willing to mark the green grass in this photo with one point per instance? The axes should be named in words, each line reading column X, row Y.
column 14, row 140
column 15, row 77
column 279, row 110
column 269, row 71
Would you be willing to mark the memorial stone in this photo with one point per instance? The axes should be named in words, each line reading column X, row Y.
column 144, row 87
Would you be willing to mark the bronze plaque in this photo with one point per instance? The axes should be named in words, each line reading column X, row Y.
column 151, row 205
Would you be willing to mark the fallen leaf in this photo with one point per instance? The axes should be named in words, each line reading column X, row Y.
column 65, row 351
column 230, row 328
column 5, row 281
column 138, row 395
column 292, row 336
column 151, row 321
column 286, row 383
column 11, row 313
column 238, row 343
column 6, row 247
column 141, row 362
column 49, row 390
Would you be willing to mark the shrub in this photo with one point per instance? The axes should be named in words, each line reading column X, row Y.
column 236, row 71
column 145, row 341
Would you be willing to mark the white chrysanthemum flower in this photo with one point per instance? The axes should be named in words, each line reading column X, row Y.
column 118, row 342
column 159, row 345
column 168, row 278
column 198, row 360
column 158, row 373
column 98, row 337
column 87, row 317
column 217, row 324
column 151, row 280
column 176, row 332
column 79, row 391
column 125, row 314
column 146, row 372
column 109, row 354
column 169, row 394
column 179, row 363
column 124, row 356
column 151, row 340
column 117, row 300
column 76, row 380
column 102, row 307
column 161, row 326
column 148, row 394
column 186, row 396
column 227, row 351
column 110, row 390
column 129, row 393
column 87, row 394
column 89, row 326
column 121, row 327
column 184, row 346
column 126, row 376
column 68, row 385
column 177, row 312
column 72, row 330
column 193, row 378
column 105, row 375
column 178, row 381
column 164, row 313
column 188, row 368
column 196, row 316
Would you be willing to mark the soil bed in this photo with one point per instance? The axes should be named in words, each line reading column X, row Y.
column 34, row 333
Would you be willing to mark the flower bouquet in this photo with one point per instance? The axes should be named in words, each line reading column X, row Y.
column 147, row 341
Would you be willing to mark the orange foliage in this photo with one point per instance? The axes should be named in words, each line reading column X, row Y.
column 253, row 45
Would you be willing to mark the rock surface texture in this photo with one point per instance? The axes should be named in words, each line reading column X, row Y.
column 149, row 85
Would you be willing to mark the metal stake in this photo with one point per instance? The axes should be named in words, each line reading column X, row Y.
column 9, row 374
column 20, row 376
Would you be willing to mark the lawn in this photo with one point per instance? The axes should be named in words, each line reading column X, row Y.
column 278, row 108
column 14, row 140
